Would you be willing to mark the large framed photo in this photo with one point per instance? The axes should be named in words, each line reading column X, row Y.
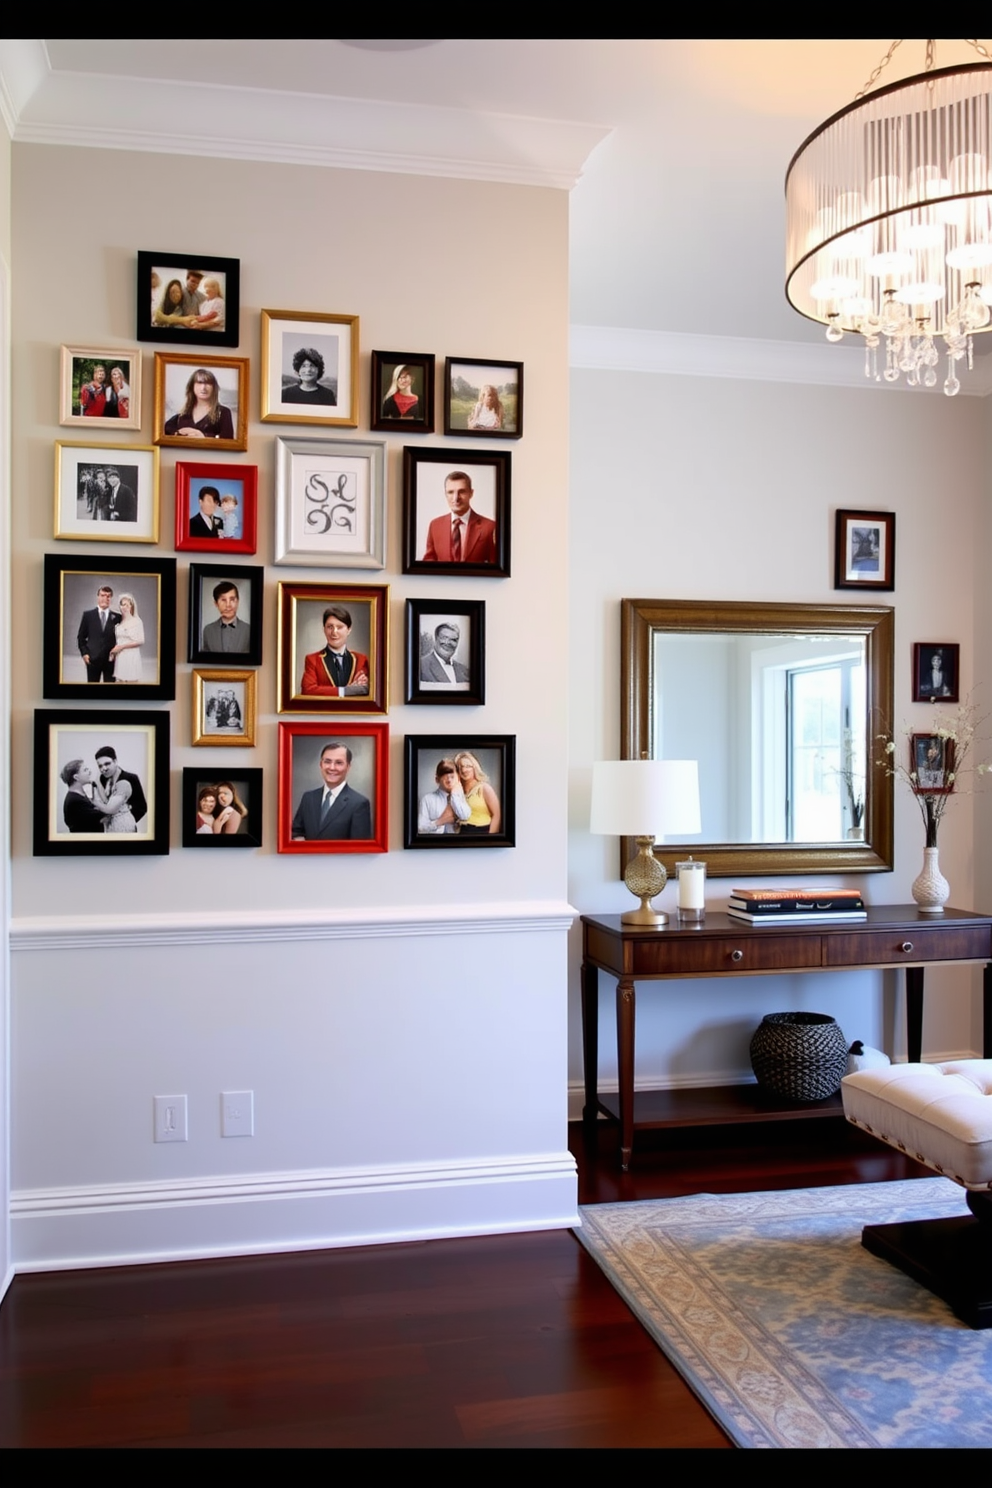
column 456, row 512
column 106, row 492
column 216, row 508
column 100, row 389
column 331, row 503
column 931, row 764
column 446, row 651
column 224, row 709
column 225, row 614
column 865, row 550
column 309, row 368
column 201, row 402
column 223, row 808
column 483, row 398
column 460, row 790
column 936, row 667
column 333, row 795
column 333, row 648
column 110, row 629
column 403, row 391
column 101, row 783
column 185, row 298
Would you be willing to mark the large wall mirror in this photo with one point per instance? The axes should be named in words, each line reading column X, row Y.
column 779, row 703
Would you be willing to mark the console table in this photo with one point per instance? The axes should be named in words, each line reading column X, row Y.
column 892, row 936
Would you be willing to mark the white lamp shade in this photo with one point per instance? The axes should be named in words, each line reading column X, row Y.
column 631, row 798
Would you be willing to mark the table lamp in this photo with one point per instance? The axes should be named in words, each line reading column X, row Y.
column 645, row 799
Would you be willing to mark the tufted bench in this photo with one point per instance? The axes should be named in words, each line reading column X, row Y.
column 940, row 1114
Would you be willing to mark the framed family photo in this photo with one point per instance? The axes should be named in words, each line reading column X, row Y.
column 936, row 666
column 333, row 787
column 931, row 764
column 185, row 298
column 110, row 629
column 100, row 389
column 309, row 368
column 225, row 614
column 484, row 398
column 222, row 809
column 331, row 503
column 456, row 512
column 224, row 709
column 106, row 492
column 199, row 399
column 101, row 783
column 865, row 550
column 403, row 391
column 333, row 646
column 460, row 790
column 446, row 651
column 216, row 508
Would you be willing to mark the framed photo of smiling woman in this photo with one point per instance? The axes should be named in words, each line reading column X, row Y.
column 309, row 368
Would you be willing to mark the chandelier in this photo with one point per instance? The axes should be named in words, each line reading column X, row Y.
column 889, row 221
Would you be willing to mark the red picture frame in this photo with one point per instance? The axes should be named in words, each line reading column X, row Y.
column 240, row 481
column 301, row 825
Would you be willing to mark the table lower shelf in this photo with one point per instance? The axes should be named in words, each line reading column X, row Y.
column 717, row 1105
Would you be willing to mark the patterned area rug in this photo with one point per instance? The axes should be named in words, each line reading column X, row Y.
column 789, row 1332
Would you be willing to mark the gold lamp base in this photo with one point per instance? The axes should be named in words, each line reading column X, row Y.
column 645, row 877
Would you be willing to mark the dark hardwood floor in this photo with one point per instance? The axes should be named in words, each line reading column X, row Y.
column 504, row 1341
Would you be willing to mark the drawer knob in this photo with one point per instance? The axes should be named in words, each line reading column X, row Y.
column 907, row 946
column 737, row 955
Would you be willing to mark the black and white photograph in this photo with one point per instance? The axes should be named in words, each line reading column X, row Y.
column 456, row 512
column 184, row 299
column 865, row 550
column 445, row 651
column 333, row 787
column 484, row 398
column 460, row 790
column 935, row 672
column 106, row 492
column 101, row 785
column 309, row 368
column 110, row 629
column 100, row 389
column 403, row 391
column 225, row 614
column 222, row 809
column 224, row 708
column 200, row 404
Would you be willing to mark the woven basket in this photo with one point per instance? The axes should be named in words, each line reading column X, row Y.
column 801, row 1056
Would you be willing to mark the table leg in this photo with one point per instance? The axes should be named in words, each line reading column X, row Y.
column 914, row 1013
column 590, row 1044
column 625, row 1067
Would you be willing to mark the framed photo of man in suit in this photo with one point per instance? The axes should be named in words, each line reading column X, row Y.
column 101, row 783
column 216, row 509
column 110, row 629
column 106, row 492
column 333, row 787
column 446, row 651
column 456, row 512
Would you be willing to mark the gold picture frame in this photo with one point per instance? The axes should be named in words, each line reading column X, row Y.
column 224, row 708
column 289, row 396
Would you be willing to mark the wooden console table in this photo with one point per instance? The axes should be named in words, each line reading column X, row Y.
column 892, row 936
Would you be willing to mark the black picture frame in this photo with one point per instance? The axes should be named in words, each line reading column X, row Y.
column 71, row 599
column 422, row 756
column 169, row 266
column 427, row 511
column 248, row 787
column 865, row 550
column 465, row 378
column 140, row 743
column 426, row 680
column 385, row 369
column 936, row 672
column 204, row 580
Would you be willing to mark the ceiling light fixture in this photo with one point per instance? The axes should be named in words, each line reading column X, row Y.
column 889, row 221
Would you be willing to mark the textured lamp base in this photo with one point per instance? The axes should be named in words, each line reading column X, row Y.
column 645, row 877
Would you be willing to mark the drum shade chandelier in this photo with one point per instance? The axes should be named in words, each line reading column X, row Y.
column 889, row 221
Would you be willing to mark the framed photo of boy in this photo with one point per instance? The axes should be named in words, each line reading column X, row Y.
column 223, row 808
column 106, row 492
column 224, row 709
column 865, row 550
column 309, row 368
column 483, row 397
column 403, row 391
column 456, row 512
column 931, row 764
column 216, row 508
column 331, row 503
column 225, row 614
column 97, row 385
column 460, row 790
column 110, row 629
column 333, row 646
column 333, row 787
column 101, row 783
column 185, row 298
column 446, row 651
column 936, row 666
column 198, row 399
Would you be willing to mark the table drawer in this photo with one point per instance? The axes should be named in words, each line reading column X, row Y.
column 927, row 943
column 730, row 953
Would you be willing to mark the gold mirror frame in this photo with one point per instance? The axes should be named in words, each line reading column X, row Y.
column 642, row 618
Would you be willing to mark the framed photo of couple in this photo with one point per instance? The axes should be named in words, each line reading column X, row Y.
column 100, row 390
column 106, row 492
column 101, row 783
column 224, row 709
column 188, row 298
column 222, row 808
column 460, row 790
column 110, row 629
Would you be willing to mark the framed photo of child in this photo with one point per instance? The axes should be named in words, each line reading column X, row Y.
column 216, row 508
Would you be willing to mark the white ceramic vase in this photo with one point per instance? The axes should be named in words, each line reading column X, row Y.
column 931, row 890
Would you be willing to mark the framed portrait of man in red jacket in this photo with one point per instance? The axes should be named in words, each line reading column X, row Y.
column 456, row 512
column 333, row 647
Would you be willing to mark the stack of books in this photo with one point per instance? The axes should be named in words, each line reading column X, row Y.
column 793, row 906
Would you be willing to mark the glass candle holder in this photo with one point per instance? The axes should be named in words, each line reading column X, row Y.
column 691, row 876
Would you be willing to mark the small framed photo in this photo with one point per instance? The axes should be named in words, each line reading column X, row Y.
column 333, row 648
column 309, row 368
column 456, row 512
column 403, row 391
column 931, row 764
column 106, row 492
column 224, row 709
column 186, row 298
column 110, row 629
column 865, row 550
column 446, row 651
column 101, row 783
column 483, row 397
column 201, row 402
column 223, row 809
column 331, row 503
column 460, row 790
column 225, row 613
column 333, row 780
column 216, row 508
column 935, row 672
column 100, row 385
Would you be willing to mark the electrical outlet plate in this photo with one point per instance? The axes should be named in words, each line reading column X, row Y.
column 237, row 1113
column 170, row 1118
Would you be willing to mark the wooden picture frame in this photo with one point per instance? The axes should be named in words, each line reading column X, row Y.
column 410, row 374
column 131, row 781
column 426, row 816
column 483, row 398
column 177, row 421
column 936, row 672
column 222, row 595
column 157, row 272
column 106, row 492
column 931, row 759
column 224, row 708
column 237, row 821
column 358, row 820
column 354, row 619
column 207, row 527
column 446, row 652
column 75, row 588
column 440, row 483
column 100, row 404
column 865, row 550
column 331, row 503
column 293, row 385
